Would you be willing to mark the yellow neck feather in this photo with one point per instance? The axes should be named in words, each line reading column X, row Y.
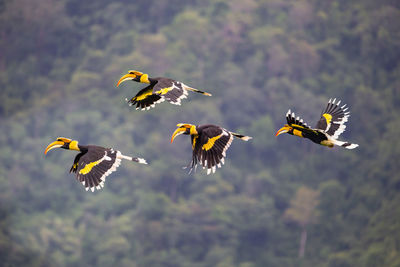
column 297, row 133
column 193, row 130
column 144, row 78
column 74, row 145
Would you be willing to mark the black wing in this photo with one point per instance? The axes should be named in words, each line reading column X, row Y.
column 210, row 146
column 171, row 90
column 333, row 119
column 145, row 99
column 76, row 160
column 295, row 122
column 95, row 165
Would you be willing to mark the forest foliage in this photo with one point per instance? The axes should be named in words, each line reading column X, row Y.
column 59, row 63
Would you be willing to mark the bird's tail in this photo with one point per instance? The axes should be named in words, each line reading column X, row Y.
column 344, row 144
column 196, row 90
column 138, row 160
column 243, row 137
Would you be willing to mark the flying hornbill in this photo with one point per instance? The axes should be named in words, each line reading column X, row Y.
column 209, row 144
column 329, row 127
column 94, row 163
column 158, row 90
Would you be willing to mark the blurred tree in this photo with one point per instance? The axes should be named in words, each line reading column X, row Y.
column 303, row 212
column 59, row 62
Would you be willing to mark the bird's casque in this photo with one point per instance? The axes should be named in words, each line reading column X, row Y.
column 158, row 90
column 209, row 144
column 328, row 128
column 94, row 163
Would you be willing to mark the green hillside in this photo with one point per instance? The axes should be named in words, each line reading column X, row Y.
column 59, row 64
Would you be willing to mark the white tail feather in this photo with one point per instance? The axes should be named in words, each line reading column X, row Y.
column 344, row 144
column 141, row 161
column 138, row 160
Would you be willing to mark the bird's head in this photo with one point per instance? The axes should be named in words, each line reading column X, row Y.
column 63, row 142
column 285, row 129
column 184, row 128
column 134, row 75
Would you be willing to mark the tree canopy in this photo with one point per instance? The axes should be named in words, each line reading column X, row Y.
column 59, row 64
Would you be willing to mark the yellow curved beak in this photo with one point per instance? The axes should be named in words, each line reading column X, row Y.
column 177, row 132
column 282, row 130
column 53, row 145
column 126, row 77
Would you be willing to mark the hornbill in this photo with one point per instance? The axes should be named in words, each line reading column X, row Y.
column 328, row 128
column 158, row 90
column 209, row 144
column 94, row 163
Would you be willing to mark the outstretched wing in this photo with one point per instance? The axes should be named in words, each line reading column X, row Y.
column 296, row 122
column 145, row 99
column 94, row 166
column 210, row 146
column 333, row 119
column 171, row 90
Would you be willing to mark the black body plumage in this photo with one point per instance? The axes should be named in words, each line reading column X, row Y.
column 328, row 128
column 209, row 145
column 93, row 163
column 158, row 90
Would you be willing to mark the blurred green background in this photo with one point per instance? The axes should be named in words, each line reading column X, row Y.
column 59, row 63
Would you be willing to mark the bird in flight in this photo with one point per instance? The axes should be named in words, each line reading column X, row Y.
column 158, row 90
column 328, row 128
column 94, row 163
column 209, row 144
